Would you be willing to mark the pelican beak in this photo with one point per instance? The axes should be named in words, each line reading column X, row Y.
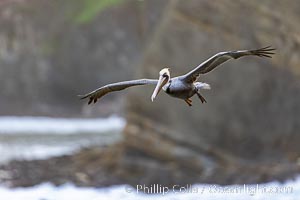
column 161, row 82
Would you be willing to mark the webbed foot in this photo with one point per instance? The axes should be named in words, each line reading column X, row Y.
column 188, row 101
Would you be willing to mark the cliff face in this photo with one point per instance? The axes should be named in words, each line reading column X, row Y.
column 252, row 114
column 51, row 51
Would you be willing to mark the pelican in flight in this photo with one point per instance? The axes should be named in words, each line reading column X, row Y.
column 182, row 87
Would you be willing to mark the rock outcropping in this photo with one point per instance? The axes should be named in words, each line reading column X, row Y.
column 249, row 129
column 48, row 56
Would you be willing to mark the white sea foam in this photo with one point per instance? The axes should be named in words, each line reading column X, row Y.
column 39, row 137
column 69, row 191
column 46, row 125
column 42, row 137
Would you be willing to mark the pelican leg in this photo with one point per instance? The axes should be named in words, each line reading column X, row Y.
column 201, row 97
column 188, row 101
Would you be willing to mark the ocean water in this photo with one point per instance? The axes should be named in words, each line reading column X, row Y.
column 39, row 137
column 30, row 138
column 46, row 191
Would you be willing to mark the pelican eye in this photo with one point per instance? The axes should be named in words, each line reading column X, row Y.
column 165, row 75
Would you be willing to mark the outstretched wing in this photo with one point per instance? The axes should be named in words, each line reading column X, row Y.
column 222, row 57
column 100, row 92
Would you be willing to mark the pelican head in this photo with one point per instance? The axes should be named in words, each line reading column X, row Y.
column 164, row 77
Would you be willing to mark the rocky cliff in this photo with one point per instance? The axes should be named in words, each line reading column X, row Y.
column 51, row 51
column 251, row 119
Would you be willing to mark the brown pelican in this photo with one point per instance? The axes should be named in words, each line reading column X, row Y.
column 185, row 86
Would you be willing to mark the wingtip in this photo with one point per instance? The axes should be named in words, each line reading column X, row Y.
column 268, row 48
column 266, row 51
column 80, row 96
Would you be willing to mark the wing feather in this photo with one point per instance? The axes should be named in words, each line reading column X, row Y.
column 222, row 57
column 100, row 92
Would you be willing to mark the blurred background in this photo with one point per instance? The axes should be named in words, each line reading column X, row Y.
column 51, row 51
